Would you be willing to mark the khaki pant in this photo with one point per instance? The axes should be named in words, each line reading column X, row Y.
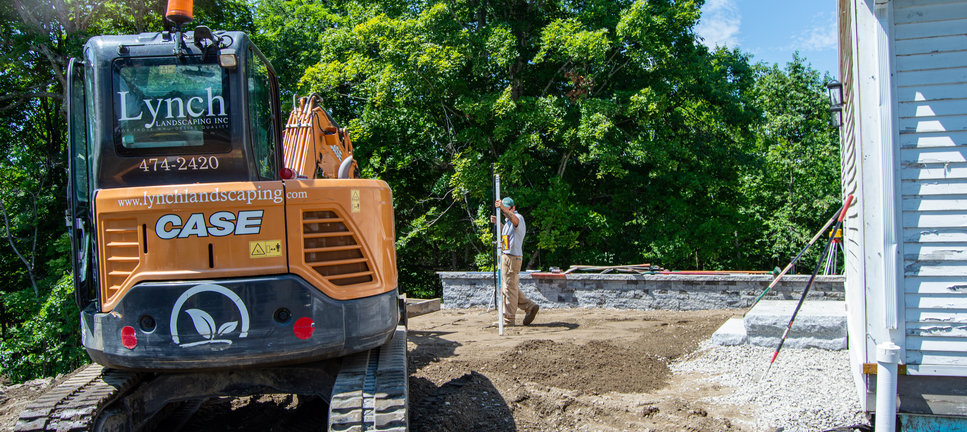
column 510, row 284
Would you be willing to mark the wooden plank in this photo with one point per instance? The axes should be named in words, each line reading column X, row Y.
column 929, row 77
column 940, row 371
column 934, row 268
column 933, row 171
column 933, row 108
column 852, row 259
column 933, row 187
column 934, row 235
column 913, row 315
column 918, row 3
column 942, row 60
column 850, row 188
column 849, row 180
column 934, row 203
column 933, row 124
column 938, row 302
column 870, row 369
column 935, row 285
column 931, row 45
column 940, row 219
column 927, row 13
column 917, row 30
column 925, row 93
column 936, row 363
column 933, row 155
column 946, row 358
column 936, row 331
column 920, row 343
column 934, row 140
column 936, row 252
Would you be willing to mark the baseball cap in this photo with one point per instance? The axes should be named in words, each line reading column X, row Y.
column 508, row 202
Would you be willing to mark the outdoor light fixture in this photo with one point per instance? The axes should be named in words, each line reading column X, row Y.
column 227, row 58
column 836, row 116
column 835, row 89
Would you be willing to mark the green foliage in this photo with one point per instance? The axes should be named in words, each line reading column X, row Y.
column 794, row 190
column 620, row 137
column 48, row 342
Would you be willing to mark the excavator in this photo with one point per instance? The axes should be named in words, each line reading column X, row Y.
column 218, row 251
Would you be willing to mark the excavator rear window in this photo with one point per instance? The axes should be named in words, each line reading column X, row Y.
column 165, row 106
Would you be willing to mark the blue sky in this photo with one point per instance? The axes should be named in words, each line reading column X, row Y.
column 772, row 30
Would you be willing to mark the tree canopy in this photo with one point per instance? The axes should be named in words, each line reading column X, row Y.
column 620, row 136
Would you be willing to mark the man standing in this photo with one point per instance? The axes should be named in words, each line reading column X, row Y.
column 512, row 238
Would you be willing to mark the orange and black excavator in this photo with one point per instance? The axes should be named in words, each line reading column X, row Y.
column 218, row 251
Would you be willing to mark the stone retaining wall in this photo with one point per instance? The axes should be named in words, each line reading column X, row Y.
column 641, row 292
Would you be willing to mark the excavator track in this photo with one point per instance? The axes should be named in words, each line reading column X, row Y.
column 74, row 404
column 371, row 392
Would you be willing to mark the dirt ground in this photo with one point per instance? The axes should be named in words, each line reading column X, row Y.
column 575, row 369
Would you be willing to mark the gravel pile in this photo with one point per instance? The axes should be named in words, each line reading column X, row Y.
column 806, row 389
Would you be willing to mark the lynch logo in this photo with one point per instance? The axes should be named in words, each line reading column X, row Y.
column 178, row 108
column 219, row 224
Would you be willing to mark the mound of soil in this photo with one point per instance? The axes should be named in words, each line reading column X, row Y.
column 595, row 367
column 571, row 370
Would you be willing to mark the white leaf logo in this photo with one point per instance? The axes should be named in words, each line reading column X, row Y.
column 227, row 327
column 204, row 323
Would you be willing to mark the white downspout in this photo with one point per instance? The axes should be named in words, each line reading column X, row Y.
column 887, row 357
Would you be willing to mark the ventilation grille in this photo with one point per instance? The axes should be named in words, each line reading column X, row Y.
column 121, row 252
column 332, row 250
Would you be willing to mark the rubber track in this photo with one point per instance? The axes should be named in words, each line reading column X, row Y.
column 74, row 404
column 371, row 392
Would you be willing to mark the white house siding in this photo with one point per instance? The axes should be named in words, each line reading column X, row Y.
column 930, row 48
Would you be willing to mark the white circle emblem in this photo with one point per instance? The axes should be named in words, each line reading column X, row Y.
column 203, row 321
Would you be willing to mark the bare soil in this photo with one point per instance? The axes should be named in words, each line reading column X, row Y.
column 573, row 369
column 576, row 369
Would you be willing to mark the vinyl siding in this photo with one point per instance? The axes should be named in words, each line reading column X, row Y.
column 931, row 83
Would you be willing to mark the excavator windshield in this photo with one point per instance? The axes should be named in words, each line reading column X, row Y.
column 167, row 106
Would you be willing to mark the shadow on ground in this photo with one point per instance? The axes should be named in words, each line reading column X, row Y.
column 467, row 402
column 470, row 402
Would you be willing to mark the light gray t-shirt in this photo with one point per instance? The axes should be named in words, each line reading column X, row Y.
column 515, row 236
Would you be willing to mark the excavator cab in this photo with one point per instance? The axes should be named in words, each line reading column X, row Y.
column 145, row 112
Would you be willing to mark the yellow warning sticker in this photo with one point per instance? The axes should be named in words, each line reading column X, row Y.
column 265, row 248
column 355, row 200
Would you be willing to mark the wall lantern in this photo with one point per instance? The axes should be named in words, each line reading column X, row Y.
column 835, row 89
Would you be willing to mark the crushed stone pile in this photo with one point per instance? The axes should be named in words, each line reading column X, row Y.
column 806, row 389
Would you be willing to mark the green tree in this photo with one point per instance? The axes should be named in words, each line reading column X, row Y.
column 795, row 187
column 47, row 342
column 290, row 34
column 619, row 136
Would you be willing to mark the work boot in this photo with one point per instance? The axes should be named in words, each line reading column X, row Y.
column 531, row 314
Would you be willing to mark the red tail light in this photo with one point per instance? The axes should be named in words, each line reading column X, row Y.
column 128, row 337
column 286, row 174
column 304, row 327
